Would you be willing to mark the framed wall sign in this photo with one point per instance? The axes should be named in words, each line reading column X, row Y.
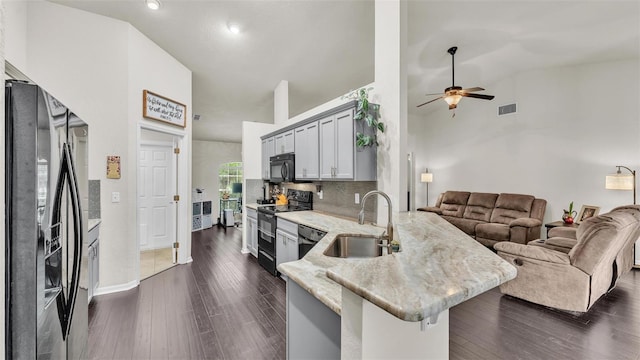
column 158, row 107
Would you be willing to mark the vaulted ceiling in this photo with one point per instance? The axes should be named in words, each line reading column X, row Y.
column 325, row 48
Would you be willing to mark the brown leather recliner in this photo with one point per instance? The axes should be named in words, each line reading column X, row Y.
column 554, row 273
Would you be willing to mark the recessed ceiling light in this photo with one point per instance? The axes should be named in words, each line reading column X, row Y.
column 233, row 28
column 153, row 4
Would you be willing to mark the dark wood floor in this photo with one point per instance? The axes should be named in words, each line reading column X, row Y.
column 225, row 306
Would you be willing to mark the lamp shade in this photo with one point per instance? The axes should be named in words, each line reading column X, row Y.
column 619, row 182
column 426, row 177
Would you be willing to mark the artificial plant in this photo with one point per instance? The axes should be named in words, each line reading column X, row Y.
column 367, row 112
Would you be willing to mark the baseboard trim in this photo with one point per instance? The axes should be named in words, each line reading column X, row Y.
column 116, row 288
column 189, row 260
column 245, row 251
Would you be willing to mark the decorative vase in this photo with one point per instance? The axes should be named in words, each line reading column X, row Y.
column 568, row 217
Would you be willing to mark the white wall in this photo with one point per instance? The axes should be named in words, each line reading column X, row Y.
column 147, row 60
column 391, row 81
column 573, row 125
column 207, row 158
column 251, row 161
column 96, row 65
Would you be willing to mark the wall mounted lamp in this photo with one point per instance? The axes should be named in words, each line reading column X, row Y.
column 426, row 177
column 620, row 181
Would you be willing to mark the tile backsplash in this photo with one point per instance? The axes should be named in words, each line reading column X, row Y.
column 94, row 199
column 253, row 190
column 338, row 196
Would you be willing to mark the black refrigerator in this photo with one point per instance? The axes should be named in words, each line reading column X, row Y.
column 46, row 189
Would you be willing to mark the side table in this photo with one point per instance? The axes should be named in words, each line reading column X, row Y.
column 551, row 225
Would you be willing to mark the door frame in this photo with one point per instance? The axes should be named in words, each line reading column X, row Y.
column 183, row 182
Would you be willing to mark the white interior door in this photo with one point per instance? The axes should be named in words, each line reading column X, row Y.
column 156, row 213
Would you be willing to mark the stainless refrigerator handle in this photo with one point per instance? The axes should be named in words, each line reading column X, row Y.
column 67, row 174
column 77, row 234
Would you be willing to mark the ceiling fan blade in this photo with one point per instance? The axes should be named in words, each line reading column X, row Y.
column 479, row 96
column 439, row 93
column 473, row 89
column 430, row 101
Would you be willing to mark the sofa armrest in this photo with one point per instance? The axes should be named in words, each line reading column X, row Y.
column 523, row 230
column 563, row 232
column 525, row 222
column 558, row 244
column 533, row 252
column 432, row 209
column 567, row 243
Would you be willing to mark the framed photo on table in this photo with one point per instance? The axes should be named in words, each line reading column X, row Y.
column 586, row 212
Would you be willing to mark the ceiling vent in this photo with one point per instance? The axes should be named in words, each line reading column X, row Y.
column 506, row 109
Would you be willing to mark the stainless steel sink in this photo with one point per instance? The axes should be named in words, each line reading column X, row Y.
column 355, row 246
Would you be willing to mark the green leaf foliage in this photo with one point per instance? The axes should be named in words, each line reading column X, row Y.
column 368, row 112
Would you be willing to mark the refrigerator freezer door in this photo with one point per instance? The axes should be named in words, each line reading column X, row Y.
column 36, row 158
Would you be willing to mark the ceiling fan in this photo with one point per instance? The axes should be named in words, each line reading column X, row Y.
column 453, row 94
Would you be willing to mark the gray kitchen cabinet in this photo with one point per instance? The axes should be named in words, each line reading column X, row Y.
column 337, row 145
column 284, row 142
column 313, row 330
column 329, row 137
column 306, row 150
column 268, row 150
column 93, row 261
column 286, row 241
column 252, row 231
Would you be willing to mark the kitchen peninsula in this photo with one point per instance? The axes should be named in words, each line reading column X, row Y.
column 388, row 306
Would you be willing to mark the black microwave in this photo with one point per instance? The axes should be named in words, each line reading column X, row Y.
column 282, row 168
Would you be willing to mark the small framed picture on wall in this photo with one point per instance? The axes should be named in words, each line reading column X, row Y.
column 113, row 167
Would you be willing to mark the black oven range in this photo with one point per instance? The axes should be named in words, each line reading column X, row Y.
column 298, row 201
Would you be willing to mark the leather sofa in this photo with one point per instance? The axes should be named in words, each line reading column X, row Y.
column 491, row 218
column 573, row 273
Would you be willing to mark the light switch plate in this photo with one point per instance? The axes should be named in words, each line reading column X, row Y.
column 115, row 197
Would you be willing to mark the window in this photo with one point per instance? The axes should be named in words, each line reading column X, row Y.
column 229, row 174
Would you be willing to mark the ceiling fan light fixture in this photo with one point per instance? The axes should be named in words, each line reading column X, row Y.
column 452, row 100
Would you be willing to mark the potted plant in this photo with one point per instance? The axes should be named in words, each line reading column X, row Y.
column 367, row 113
column 569, row 216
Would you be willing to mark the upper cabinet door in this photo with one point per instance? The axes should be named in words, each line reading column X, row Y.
column 284, row 143
column 327, row 130
column 344, row 144
column 306, row 149
column 268, row 150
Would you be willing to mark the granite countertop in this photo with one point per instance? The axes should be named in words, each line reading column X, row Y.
column 93, row 223
column 439, row 267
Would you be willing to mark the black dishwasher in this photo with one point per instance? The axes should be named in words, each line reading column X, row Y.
column 308, row 237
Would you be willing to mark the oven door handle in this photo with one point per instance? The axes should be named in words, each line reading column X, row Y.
column 267, row 234
column 265, row 215
column 305, row 241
